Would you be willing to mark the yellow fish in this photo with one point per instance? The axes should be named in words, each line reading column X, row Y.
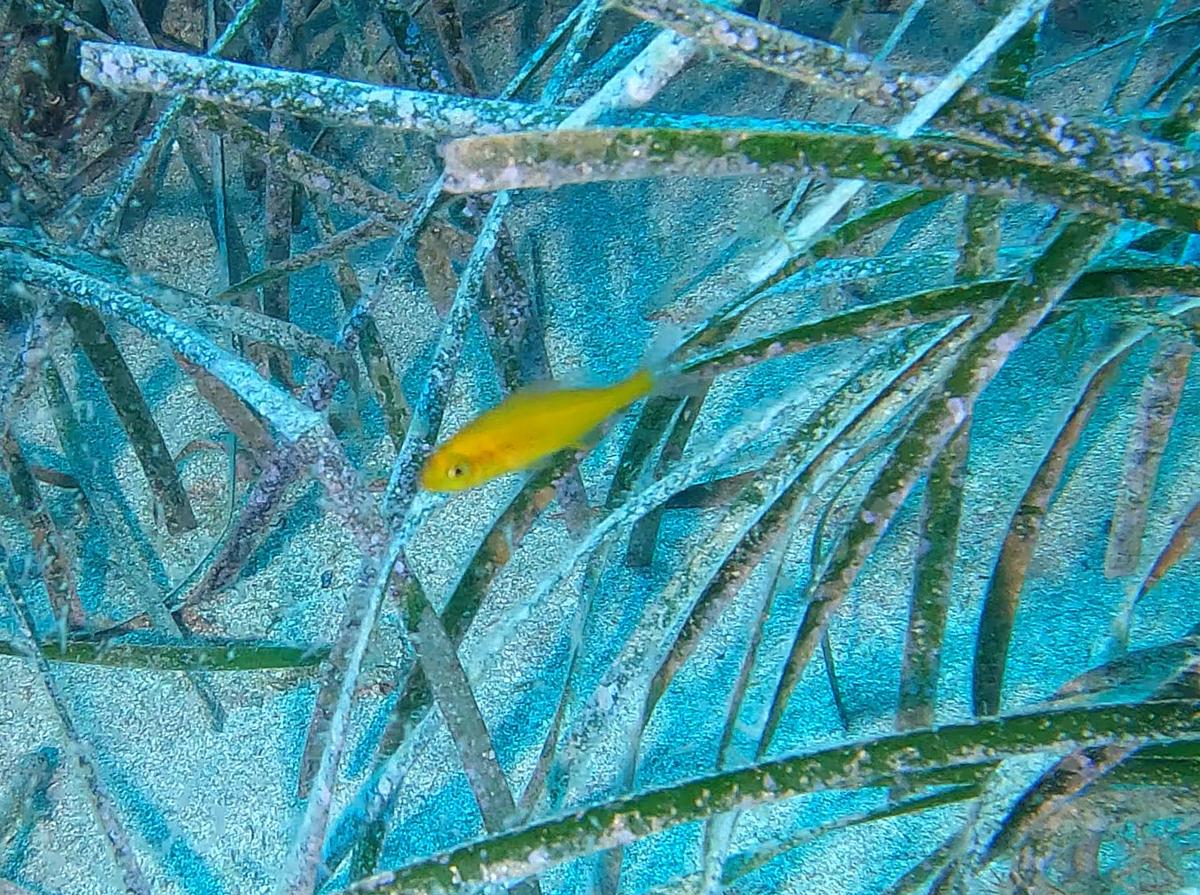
column 529, row 426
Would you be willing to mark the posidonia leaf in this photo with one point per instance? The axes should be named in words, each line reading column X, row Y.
column 191, row 655
column 1008, row 576
column 536, row 159
column 940, row 515
column 1162, row 392
column 516, row 855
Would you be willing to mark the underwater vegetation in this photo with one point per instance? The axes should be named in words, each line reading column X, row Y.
column 835, row 529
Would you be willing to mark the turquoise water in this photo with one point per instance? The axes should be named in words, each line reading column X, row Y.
column 886, row 586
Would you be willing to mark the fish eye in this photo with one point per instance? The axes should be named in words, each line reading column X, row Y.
column 456, row 471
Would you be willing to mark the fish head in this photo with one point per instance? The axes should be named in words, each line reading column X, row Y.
column 449, row 470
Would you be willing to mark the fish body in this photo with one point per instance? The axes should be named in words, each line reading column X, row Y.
column 529, row 426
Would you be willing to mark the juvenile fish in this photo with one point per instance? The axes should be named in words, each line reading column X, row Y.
column 529, row 426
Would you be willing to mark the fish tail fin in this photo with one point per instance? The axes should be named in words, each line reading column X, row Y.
column 661, row 372
column 673, row 380
column 659, row 362
column 665, row 380
column 666, row 342
column 637, row 385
